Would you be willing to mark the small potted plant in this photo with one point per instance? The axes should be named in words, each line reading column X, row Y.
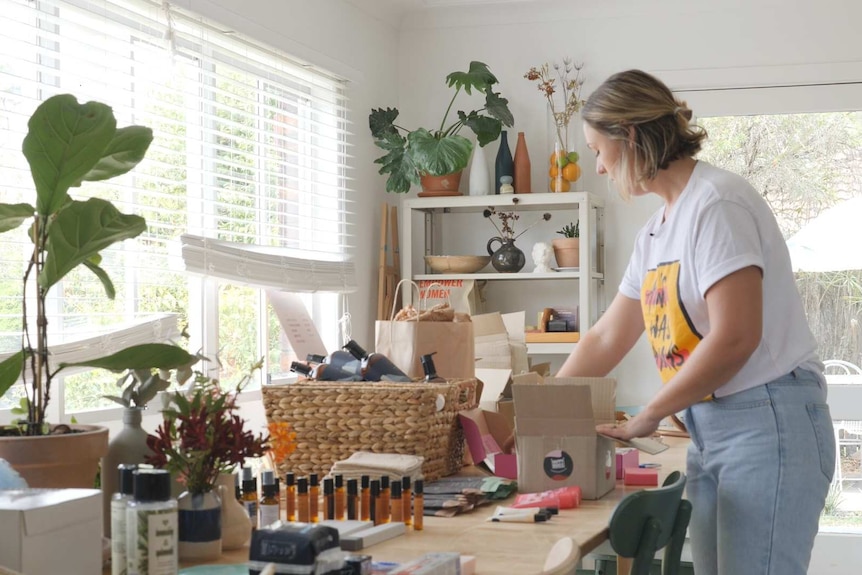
column 437, row 156
column 567, row 250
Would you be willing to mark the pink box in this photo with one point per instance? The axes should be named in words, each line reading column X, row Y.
column 639, row 476
column 485, row 431
column 626, row 457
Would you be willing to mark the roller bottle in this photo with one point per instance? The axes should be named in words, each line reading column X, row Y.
column 313, row 497
column 328, row 498
column 340, row 497
column 405, row 500
column 352, row 499
column 376, row 366
column 365, row 499
column 290, row 495
column 303, row 508
column 418, row 504
column 397, row 507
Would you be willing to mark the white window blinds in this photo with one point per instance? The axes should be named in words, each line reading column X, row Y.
column 249, row 147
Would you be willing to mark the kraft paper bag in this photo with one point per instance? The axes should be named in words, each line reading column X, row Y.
column 405, row 342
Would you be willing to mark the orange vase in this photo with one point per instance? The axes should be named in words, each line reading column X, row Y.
column 522, row 166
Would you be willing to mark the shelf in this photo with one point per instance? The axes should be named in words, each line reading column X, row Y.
column 501, row 276
column 524, row 202
column 550, row 348
column 552, row 336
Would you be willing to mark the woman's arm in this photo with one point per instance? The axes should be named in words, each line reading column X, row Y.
column 603, row 346
column 735, row 307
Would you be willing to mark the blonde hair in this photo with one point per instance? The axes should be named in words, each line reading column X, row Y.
column 640, row 111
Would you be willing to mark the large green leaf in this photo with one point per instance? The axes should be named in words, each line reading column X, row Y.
column 10, row 371
column 382, row 122
column 498, row 107
column 103, row 277
column 441, row 156
column 81, row 230
column 125, row 151
column 478, row 77
column 486, row 129
column 13, row 215
column 65, row 140
column 397, row 163
column 144, row 356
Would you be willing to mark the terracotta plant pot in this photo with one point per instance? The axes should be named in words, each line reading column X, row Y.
column 64, row 460
column 445, row 185
column 567, row 251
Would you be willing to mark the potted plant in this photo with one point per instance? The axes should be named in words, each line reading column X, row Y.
column 201, row 437
column 67, row 144
column 442, row 151
column 567, row 250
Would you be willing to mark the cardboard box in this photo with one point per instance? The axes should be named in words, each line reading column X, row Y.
column 485, row 432
column 556, row 440
column 50, row 531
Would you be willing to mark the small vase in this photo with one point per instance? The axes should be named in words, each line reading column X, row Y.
column 199, row 526
column 522, row 166
column 129, row 446
column 508, row 258
column 480, row 181
column 235, row 522
column 504, row 165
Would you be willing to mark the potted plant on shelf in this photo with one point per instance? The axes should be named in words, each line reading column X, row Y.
column 567, row 250
column 422, row 156
column 67, row 144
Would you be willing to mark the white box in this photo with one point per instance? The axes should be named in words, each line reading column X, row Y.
column 51, row 531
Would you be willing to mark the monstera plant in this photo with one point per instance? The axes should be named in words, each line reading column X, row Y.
column 68, row 144
column 440, row 151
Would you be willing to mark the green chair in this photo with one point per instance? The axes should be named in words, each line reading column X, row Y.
column 649, row 520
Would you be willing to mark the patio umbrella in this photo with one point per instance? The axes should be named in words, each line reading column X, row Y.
column 831, row 241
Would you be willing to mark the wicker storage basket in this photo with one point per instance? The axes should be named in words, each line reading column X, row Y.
column 333, row 420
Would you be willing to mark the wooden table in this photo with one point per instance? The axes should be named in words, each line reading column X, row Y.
column 521, row 547
column 503, row 548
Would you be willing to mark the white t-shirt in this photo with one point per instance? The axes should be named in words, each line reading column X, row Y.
column 718, row 225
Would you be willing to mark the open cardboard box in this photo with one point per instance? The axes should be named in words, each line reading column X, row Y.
column 486, row 431
column 556, row 440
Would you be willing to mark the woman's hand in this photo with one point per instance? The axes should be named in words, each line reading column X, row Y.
column 640, row 425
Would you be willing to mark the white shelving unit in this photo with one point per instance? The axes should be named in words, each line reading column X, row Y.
column 416, row 243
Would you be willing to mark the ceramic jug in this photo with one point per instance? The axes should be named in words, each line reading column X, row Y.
column 508, row 258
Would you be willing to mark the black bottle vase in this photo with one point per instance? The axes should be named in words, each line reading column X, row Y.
column 504, row 165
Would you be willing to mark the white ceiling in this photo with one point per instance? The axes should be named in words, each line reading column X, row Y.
column 393, row 10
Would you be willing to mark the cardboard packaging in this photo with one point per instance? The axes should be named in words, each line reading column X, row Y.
column 626, row 457
column 485, row 432
column 556, row 440
column 50, row 531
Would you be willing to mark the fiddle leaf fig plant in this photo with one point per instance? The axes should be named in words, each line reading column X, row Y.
column 439, row 151
column 67, row 144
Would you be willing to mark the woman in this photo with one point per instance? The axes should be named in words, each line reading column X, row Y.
column 742, row 365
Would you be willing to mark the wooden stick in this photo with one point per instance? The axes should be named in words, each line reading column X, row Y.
column 381, row 270
column 396, row 251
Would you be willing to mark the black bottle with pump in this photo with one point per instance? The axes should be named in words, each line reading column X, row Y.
column 430, row 370
column 339, row 359
column 323, row 372
column 376, row 366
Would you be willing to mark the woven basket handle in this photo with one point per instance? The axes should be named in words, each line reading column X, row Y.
column 466, row 394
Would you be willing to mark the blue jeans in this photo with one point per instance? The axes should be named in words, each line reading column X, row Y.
column 759, row 468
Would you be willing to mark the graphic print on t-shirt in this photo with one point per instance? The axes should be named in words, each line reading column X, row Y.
column 668, row 327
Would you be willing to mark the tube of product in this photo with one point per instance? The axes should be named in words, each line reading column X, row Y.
column 512, row 515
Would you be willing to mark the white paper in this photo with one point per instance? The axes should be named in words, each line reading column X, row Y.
column 296, row 323
column 493, row 383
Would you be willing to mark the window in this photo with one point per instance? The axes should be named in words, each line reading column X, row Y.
column 249, row 147
column 801, row 147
